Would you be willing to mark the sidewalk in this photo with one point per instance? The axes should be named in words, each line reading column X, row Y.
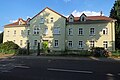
column 68, row 58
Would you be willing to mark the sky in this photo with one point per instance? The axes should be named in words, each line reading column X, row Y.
column 11, row 10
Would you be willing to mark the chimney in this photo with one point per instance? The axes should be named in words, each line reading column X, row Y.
column 101, row 13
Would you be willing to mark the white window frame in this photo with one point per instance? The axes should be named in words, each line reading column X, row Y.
column 105, row 31
column 56, row 30
column 70, row 31
column 105, row 44
column 21, row 42
column 46, row 31
column 70, row 44
column 22, row 32
column 35, row 42
column 51, row 19
column 81, row 44
column 36, row 30
column 80, row 31
column 92, row 32
column 41, row 20
column 56, row 43
column 14, row 32
column 28, row 32
column 92, row 43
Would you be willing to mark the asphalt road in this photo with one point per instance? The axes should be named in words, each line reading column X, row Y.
column 21, row 68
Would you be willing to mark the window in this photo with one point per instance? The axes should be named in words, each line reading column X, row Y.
column 80, row 31
column 14, row 32
column 41, row 20
column 35, row 42
column 92, row 31
column 20, row 22
column 105, row 44
column 20, row 42
column 105, row 31
column 70, row 44
column 56, row 30
column 28, row 32
column 56, row 43
column 21, row 32
column 8, row 33
column 80, row 44
column 14, row 41
column 36, row 30
column 70, row 31
column 51, row 19
column 46, row 31
column 92, row 44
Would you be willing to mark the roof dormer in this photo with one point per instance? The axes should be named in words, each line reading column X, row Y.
column 71, row 18
column 83, row 17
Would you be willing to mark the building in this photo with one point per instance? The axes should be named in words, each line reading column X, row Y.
column 61, row 33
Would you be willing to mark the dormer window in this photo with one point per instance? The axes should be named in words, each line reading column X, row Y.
column 71, row 18
column 83, row 17
column 20, row 22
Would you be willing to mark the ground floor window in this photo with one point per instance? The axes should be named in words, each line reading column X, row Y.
column 92, row 43
column 80, row 44
column 56, row 43
column 35, row 42
column 105, row 44
column 70, row 44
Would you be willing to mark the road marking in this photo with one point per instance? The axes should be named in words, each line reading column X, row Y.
column 119, row 74
column 5, row 71
column 75, row 71
column 109, row 74
column 22, row 67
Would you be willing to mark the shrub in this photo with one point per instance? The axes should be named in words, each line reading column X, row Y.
column 100, row 52
column 8, row 47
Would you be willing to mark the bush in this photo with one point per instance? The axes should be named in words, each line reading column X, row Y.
column 8, row 47
column 100, row 52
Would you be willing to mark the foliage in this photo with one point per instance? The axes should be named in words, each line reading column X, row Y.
column 8, row 47
column 100, row 52
column 115, row 13
column 45, row 45
column 1, row 37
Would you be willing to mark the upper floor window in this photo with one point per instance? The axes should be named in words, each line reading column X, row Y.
column 70, row 44
column 51, row 19
column 28, row 32
column 92, row 31
column 80, row 32
column 21, row 42
column 36, row 30
column 80, row 44
column 46, row 31
column 56, row 30
column 105, row 44
column 14, row 32
column 71, row 18
column 92, row 43
column 21, row 32
column 56, row 43
column 70, row 31
column 105, row 31
column 41, row 20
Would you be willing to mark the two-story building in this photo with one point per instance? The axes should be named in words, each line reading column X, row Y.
column 62, row 33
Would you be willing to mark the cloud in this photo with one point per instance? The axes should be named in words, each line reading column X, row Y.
column 0, row 31
column 88, row 13
column 12, row 21
column 67, row 1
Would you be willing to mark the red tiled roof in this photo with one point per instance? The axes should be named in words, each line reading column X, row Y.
column 17, row 23
column 49, row 9
column 94, row 18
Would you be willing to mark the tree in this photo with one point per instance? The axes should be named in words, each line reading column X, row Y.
column 115, row 13
column 1, row 37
